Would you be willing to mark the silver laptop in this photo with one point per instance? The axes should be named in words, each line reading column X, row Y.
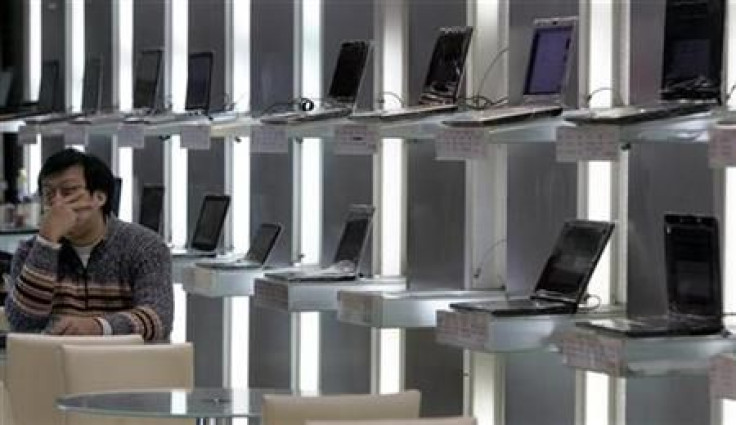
column 344, row 88
column 564, row 278
column 349, row 251
column 547, row 76
column 691, row 70
column 693, row 274
column 152, row 207
column 257, row 255
column 208, row 229
column 48, row 95
column 443, row 80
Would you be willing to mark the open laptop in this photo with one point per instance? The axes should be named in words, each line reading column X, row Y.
column 47, row 95
column 207, row 231
column 442, row 83
column 694, row 297
column 199, row 83
column 547, row 75
column 565, row 276
column 691, row 71
column 257, row 255
column 344, row 88
column 91, row 95
column 347, row 256
column 152, row 207
column 6, row 83
column 146, row 87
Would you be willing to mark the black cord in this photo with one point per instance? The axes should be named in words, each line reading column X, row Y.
column 616, row 95
column 478, row 272
column 382, row 100
column 587, row 308
column 303, row 104
column 488, row 70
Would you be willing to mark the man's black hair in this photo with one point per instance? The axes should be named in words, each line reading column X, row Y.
column 97, row 174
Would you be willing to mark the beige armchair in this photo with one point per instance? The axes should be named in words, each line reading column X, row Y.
column 295, row 410
column 33, row 375
column 134, row 367
column 452, row 420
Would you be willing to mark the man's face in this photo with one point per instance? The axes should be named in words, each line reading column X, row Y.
column 70, row 187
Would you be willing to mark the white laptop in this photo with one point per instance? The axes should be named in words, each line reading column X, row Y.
column 547, row 75
column 207, row 231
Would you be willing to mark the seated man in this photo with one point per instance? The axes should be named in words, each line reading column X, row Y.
column 86, row 272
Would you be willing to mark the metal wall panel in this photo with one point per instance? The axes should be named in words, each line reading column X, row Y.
column 98, row 43
column 53, row 39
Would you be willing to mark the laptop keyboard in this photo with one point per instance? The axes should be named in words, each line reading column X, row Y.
column 416, row 111
column 634, row 114
column 503, row 115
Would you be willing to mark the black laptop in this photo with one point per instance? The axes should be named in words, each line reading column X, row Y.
column 547, row 74
column 152, row 207
column 694, row 293
column 48, row 91
column 344, row 88
column 565, row 276
column 208, row 229
column 349, row 251
column 257, row 255
column 691, row 69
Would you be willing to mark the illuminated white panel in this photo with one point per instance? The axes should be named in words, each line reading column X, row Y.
column 125, row 171
column 179, row 173
column 33, row 40
column 241, row 31
column 600, row 208
column 124, row 56
column 392, row 202
column 179, row 328
column 75, row 53
column 179, row 52
column 309, row 351
column 597, row 398
column 600, row 55
column 391, row 376
column 32, row 165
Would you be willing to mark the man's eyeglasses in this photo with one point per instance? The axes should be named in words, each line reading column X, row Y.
column 48, row 192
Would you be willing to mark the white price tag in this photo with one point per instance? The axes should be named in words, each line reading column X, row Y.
column 356, row 139
column 75, row 135
column 722, row 374
column 195, row 136
column 27, row 135
column 461, row 143
column 722, row 146
column 269, row 139
column 588, row 143
column 463, row 329
column 354, row 308
column 132, row 136
column 593, row 352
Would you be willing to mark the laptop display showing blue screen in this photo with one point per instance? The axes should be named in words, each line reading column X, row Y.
column 548, row 62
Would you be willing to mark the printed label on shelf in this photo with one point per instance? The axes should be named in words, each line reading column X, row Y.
column 461, row 143
column 27, row 135
column 356, row 139
column 75, row 135
column 722, row 146
column 588, row 143
column 132, row 136
column 271, row 295
column 722, row 374
column 586, row 350
column 354, row 308
column 462, row 329
column 195, row 136
column 269, row 139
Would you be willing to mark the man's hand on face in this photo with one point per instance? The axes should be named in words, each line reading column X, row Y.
column 62, row 215
column 74, row 325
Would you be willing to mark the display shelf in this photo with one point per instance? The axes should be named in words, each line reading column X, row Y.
column 216, row 283
column 11, row 237
column 316, row 296
column 640, row 357
column 480, row 331
column 405, row 309
column 10, row 126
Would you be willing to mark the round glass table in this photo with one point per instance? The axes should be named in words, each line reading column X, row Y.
column 206, row 405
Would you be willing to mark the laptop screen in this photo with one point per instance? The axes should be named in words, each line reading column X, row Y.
column 147, row 72
column 447, row 65
column 349, row 71
column 354, row 234
column 693, row 266
column 92, row 85
column 6, row 82
column 263, row 242
column 199, row 81
column 209, row 223
column 693, row 49
column 548, row 61
column 567, row 272
column 49, row 85
column 115, row 196
column 152, row 206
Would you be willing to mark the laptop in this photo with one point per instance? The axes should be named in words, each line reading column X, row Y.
column 564, row 278
column 91, row 96
column 207, row 231
column 349, row 251
column 199, row 83
column 693, row 274
column 257, row 255
column 691, row 71
column 547, row 75
column 152, row 207
column 442, row 83
column 47, row 95
column 6, row 83
column 145, row 90
column 346, row 81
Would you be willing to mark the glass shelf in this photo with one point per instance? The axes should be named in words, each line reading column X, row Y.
column 11, row 126
column 218, row 283
column 316, row 296
column 480, row 331
column 404, row 309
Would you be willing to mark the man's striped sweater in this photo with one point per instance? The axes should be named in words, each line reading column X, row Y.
column 127, row 282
